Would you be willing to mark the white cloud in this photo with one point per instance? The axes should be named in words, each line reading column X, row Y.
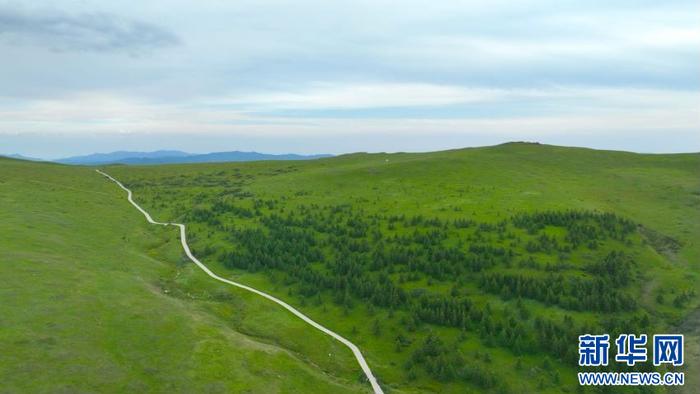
column 670, row 37
column 349, row 96
column 582, row 110
column 365, row 95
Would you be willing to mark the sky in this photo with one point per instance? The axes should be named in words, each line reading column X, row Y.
column 78, row 77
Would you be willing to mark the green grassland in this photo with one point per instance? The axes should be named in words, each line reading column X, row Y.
column 464, row 270
column 94, row 299
column 460, row 271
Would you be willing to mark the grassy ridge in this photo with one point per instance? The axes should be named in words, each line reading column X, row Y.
column 96, row 300
column 659, row 193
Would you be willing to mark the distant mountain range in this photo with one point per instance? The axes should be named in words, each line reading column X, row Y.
column 169, row 157
column 20, row 157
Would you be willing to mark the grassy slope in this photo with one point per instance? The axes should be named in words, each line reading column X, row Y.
column 661, row 192
column 96, row 300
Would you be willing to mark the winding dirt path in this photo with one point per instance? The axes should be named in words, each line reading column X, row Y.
column 183, row 239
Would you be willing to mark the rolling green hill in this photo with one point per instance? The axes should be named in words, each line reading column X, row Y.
column 93, row 299
column 471, row 269
column 465, row 270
